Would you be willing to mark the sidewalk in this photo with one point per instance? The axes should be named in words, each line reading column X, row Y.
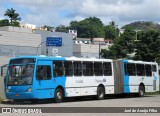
column 2, row 92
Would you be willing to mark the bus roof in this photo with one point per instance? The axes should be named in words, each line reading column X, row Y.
column 79, row 59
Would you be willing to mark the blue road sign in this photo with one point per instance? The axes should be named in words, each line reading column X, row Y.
column 54, row 41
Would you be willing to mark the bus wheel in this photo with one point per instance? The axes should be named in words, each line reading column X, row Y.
column 141, row 91
column 100, row 93
column 34, row 101
column 58, row 95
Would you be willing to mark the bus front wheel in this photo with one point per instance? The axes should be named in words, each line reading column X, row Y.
column 58, row 95
column 100, row 93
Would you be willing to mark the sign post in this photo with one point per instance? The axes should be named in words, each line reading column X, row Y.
column 54, row 41
column 55, row 52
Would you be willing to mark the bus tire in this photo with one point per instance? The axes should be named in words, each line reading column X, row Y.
column 141, row 91
column 100, row 93
column 34, row 101
column 58, row 95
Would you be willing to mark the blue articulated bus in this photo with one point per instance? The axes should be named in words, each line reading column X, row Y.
column 43, row 77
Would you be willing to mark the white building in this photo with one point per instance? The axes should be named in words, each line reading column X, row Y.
column 90, row 47
column 26, row 25
column 74, row 33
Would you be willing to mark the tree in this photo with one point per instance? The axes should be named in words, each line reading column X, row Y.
column 122, row 46
column 111, row 31
column 88, row 28
column 61, row 28
column 148, row 46
column 49, row 28
column 14, row 17
column 4, row 22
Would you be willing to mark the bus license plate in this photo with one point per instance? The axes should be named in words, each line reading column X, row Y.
column 17, row 94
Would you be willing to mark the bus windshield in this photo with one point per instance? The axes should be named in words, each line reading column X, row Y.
column 20, row 74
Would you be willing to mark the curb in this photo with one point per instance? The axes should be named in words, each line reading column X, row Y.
column 4, row 101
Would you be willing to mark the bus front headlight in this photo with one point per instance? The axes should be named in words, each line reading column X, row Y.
column 29, row 89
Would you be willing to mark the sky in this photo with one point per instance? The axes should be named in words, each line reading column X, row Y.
column 62, row 12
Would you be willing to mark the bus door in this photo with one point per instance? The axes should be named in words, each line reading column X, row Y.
column 155, row 78
column 43, row 83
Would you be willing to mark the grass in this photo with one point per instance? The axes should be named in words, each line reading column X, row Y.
column 152, row 93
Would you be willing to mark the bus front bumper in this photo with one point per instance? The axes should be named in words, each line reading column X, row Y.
column 21, row 95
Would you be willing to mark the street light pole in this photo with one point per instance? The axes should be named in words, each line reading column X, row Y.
column 38, row 47
column 136, row 30
column 99, row 50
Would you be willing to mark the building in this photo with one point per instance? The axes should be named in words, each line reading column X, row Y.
column 74, row 33
column 90, row 47
column 26, row 25
column 17, row 41
column 66, row 50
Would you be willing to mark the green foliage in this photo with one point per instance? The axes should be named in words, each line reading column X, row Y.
column 62, row 28
column 49, row 28
column 109, row 54
column 4, row 22
column 122, row 46
column 14, row 17
column 88, row 28
column 148, row 46
column 142, row 25
column 111, row 31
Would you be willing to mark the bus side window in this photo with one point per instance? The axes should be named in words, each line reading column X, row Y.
column 98, row 70
column 87, row 68
column 68, row 68
column 58, row 68
column 43, row 72
column 107, row 69
column 148, row 70
column 77, row 68
column 154, row 68
column 130, row 69
column 140, row 69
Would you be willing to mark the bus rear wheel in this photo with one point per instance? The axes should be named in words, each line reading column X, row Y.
column 141, row 91
column 100, row 93
column 58, row 95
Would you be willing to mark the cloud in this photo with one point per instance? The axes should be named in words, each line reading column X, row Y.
column 57, row 12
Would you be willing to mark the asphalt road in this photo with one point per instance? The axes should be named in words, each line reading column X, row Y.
column 111, row 101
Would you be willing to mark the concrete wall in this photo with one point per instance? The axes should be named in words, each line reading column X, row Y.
column 87, row 50
column 67, row 43
column 19, row 39
column 15, row 29
column 4, row 60
column 16, row 41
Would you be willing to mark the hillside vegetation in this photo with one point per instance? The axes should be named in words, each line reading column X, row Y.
column 142, row 25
